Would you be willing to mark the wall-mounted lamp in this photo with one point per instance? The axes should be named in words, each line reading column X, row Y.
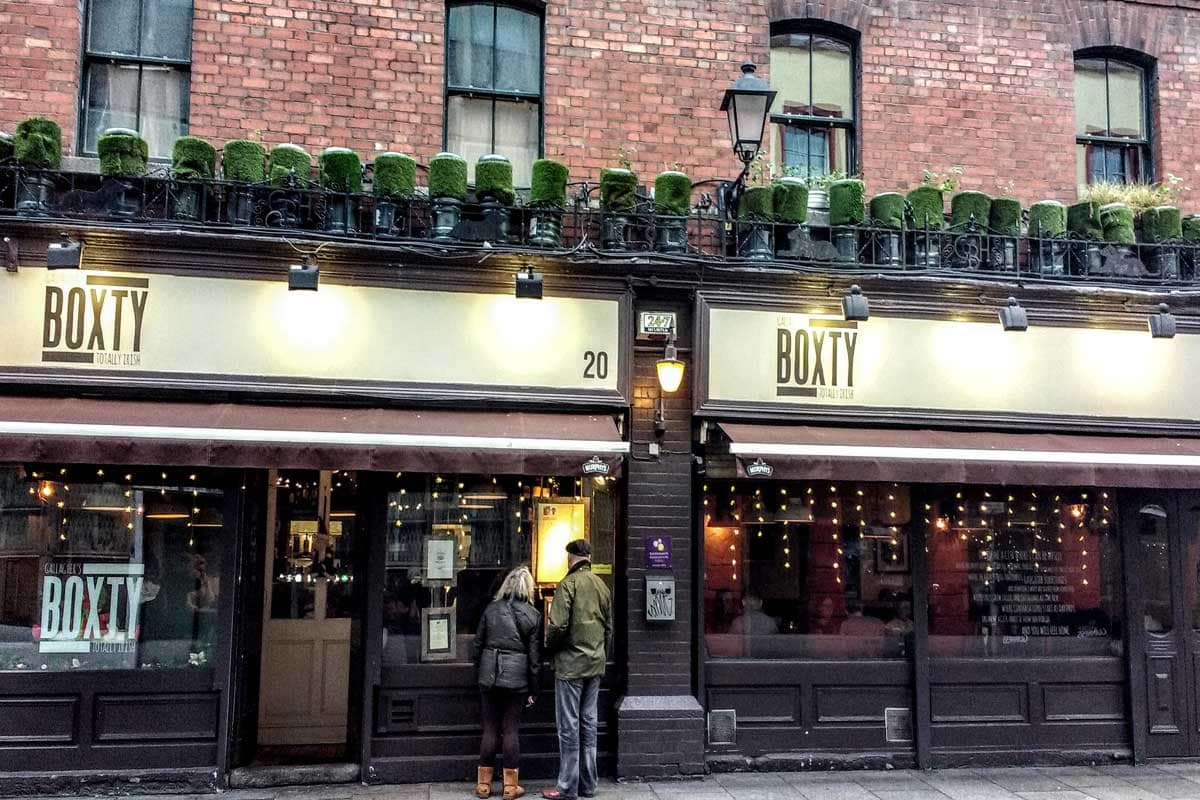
column 305, row 275
column 855, row 307
column 1013, row 316
column 529, row 284
column 1162, row 323
column 670, row 368
column 65, row 254
column 12, row 254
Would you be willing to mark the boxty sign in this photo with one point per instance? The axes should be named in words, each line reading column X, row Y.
column 90, row 607
column 767, row 358
column 258, row 332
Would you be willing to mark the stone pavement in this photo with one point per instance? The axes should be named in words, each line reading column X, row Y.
column 1179, row 781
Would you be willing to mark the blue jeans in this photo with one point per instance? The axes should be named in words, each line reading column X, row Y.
column 575, row 711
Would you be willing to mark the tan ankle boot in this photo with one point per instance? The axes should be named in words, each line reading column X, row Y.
column 483, row 783
column 511, row 790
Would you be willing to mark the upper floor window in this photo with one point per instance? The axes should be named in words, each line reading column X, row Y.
column 136, row 68
column 1112, row 132
column 494, row 84
column 812, row 119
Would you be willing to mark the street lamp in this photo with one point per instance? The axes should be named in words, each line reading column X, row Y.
column 747, row 103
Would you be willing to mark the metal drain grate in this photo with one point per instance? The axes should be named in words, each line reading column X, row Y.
column 722, row 726
column 897, row 724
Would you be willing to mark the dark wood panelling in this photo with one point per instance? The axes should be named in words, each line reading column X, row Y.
column 858, row 705
column 38, row 720
column 161, row 717
column 976, row 703
column 767, row 704
column 1066, row 702
column 1160, row 694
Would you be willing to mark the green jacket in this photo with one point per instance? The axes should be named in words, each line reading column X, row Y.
column 580, row 626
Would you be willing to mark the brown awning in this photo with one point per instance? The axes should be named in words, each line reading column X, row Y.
column 922, row 456
column 299, row 437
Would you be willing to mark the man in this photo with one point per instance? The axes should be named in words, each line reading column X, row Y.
column 578, row 635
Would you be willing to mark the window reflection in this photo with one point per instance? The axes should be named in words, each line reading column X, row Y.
column 1154, row 568
column 813, row 111
column 1112, row 135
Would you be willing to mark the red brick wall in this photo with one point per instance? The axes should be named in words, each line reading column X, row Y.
column 39, row 63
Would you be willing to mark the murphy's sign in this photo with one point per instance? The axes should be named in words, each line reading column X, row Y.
column 248, row 334
column 779, row 360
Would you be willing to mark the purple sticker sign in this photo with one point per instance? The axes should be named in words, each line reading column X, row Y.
column 658, row 552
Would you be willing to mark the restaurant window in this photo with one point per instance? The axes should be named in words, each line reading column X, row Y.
column 812, row 118
column 109, row 568
column 136, row 70
column 451, row 539
column 807, row 570
column 1023, row 572
column 1112, row 132
column 494, row 85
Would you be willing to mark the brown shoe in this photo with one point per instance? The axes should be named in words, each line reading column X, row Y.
column 483, row 783
column 511, row 790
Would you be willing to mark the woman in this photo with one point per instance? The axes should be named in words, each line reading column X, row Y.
column 508, row 651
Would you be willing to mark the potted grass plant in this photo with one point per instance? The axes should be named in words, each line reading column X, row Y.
column 847, row 212
column 447, row 192
column 618, row 201
column 969, row 214
column 393, row 183
column 1047, row 238
column 495, row 193
column 1162, row 230
column 672, row 202
column 37, row 147
column 289, row 169
column 790, row 202
column 1004, row 229
column 756, row 217
column 341, row 178
column 193, row 161
column 1087, row 234
column 123, row 158
column 547, row 202
column 243, row 166
column 928, row 208
column 887, row 228
column 1116, row 222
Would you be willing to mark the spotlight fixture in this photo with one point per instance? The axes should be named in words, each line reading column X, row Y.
column 1013, row 316
column 669, row 367
column 65, row 254
column 1162, row 324
column 12, row 255
column 305, row 275
column 528, row 284
column 855, row 307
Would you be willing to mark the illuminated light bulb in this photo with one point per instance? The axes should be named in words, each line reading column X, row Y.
column 835, row 520
column 891, row 497
column 839, row 551
column 735, row 576
column 983, row 554
column 1085, row 552
column 787, row 565
column 963, row 509
column 1085, row 581
column 1083, row 566
column 808, row 490
column 734, row 562
column 787, row 552
column 833, row 488
column 783, row 492
column 860, row 492
column 47, row 490
column 833, row 504
column 731, row 547
column 837, row 565
column 757, row 492
column 963, row 536
column 838, row 578
column 760, row 534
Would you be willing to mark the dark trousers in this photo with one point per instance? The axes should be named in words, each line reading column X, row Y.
column 501, row 720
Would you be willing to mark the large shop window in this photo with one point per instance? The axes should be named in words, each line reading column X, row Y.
column 807, row 570
column 1023, row 572
column 109, row 568
column 136, row 71
column 452, row 538
column 494, row 84
column 812, row 119
column 1112, row 132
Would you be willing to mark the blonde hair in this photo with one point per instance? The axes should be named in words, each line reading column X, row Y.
column 518, row 585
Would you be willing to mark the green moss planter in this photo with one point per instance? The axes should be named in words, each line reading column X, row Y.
column 394, row 176
column 1047, row 219
column 494, row 180
column 791, row 201
column 548, row 183
column 341, row 170
column 928, row 208
column 6, row 146
column 37, row 143
column 847, row 202
column 1116, row 220
column 123, row 154
column 448, row 177
column 192, row 159
column 286, row 159
column 1191, row 229
column 1162, row 224
column 757, row 204
column 887, row 211
column 965, row 205
column 1083, row 221
column 244, row 161
column 672, row 194
column 1004, row 217
column 618, row 190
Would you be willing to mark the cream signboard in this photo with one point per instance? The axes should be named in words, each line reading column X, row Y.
column 245, row 331
column 802, row 360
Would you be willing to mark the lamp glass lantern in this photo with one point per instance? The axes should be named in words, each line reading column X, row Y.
column 670, row 369
column 747, row 102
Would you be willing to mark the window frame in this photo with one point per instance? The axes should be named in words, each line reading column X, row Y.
column 1143, row 145
column 91, row 57
column 535, row 10
column 808, row 122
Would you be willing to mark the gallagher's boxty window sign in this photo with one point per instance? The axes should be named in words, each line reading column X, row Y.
column 778, row 359
column 90, row 607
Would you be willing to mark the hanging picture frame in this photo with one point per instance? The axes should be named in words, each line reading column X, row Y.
column 439, row 559
column 438, row 634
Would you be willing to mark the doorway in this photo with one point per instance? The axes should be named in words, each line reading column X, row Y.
column 1163, row 572
column 308, row 614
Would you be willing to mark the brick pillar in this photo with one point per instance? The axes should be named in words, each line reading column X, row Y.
column 660, row 724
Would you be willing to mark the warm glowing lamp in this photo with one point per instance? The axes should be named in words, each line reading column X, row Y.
column 670, row 369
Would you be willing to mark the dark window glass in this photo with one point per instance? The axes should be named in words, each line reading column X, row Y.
column 493, row 85
column 1154, row 568
column 1111, row 127
column 813, row 114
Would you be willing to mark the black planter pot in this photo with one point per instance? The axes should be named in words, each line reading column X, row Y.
column 187, row 204
column 755, row 244
column 239, row 206
column 385, row 218
column 926, row 250
column 614, row 232
column 845, row 242
column 446, row 213
column 1164, row 262
column 1002, row 253
column 1189, row 255
column 33, row 193
column 341, row 212
column 670, row 234
column 545, row 227
column 1087, row 258
column 496, row 218
column 126, row 202
column 888, row 248
column 1047, row 257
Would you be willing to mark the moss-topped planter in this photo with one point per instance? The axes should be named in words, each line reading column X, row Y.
column 1083, row 221
column 6, row 146
column 1004, row 217
column 494, row 180
column 192, row 159
column 1116, row 220
column 447, row 190
column 548, row 199
column 1047, row 219
column 672, row 202
column 1047, row 248
column 847, row 202
column 123, row 153
column 1162, row 227
column 618, row 199
column 967, row 208
column 341, row 175
column 244, row 161
column 37, row 143
column 288, row 160
column 928, row 208
column 756, row 213
column 791, row 201
column 1190, row 227
column 393, row 181
column 887, row 211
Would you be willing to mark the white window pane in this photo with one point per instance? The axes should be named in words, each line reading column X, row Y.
column 517, row 137
column 469, row 129
column 112, row 27
column 1125, row 93
column 164, row 108
column 790, row 75
column 111, row 100
column 1091, row 115
column 832, row 70
column 167, row 29
column 469, row 47
column 518, row 50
